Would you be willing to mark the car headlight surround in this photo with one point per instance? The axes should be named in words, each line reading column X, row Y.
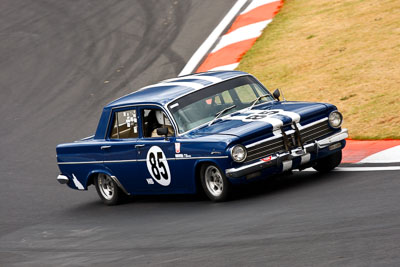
column 335, row 119
column 238, row 153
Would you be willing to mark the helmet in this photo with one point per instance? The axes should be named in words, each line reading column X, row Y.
column 162, row 119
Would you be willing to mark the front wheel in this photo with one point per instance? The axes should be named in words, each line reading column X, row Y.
column 329, row 163
column 214, row 182
column 108, row 190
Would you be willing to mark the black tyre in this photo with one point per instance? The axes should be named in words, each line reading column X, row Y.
column 109, row 192
column 214, row 183
column 329, row 163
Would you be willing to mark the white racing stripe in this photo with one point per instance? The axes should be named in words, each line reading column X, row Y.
column 293, row 115
column 196, row 77
column 243, row 33
column 359, row 169
column 186, row 84
column 266, row 116
column 77, row 183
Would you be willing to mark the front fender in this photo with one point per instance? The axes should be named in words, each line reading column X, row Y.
column 222, row 163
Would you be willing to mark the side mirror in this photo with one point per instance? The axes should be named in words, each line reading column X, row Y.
column 162, row 131
column 276, row 94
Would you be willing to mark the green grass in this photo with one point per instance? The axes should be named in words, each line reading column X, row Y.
column 344, row 52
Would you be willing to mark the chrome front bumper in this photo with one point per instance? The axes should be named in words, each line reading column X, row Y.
column 286, row 157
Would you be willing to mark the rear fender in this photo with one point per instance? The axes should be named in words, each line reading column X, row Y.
column 94, row 173
column 91, row 175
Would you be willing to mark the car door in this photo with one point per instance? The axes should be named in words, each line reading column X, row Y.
column 156, row 154
column 120, row 149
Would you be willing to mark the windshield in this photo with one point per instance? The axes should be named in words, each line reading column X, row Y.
column 203, row 106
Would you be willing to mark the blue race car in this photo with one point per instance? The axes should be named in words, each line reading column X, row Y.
column 203, row 131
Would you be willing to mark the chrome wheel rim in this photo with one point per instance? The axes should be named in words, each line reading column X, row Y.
column 106, row 186
column 214, row 181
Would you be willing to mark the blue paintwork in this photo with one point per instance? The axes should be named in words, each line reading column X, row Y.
column 204, row 144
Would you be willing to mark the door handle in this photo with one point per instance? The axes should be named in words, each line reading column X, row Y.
column 104, row 147
column 137, row 146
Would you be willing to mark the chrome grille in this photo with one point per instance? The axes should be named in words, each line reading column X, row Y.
column 275, row 145
column 316, row 131
column 268, row 147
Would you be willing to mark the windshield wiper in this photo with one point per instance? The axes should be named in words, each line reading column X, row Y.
column 219, row 113
column 257, row 99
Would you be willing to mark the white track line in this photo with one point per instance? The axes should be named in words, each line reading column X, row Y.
column 212, row 38
column 360, row 169
column 390, row 155
column 226, row 67
column 256, row 4
column 243, row 33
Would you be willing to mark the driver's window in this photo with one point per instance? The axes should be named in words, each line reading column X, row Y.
column 153, row 119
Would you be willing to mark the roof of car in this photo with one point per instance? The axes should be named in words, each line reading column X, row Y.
column 170, row 89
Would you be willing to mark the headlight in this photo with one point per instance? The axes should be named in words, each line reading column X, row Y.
column 335, row 119
column 238, row 153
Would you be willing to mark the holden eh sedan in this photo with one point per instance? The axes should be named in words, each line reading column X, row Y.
column 206, row 131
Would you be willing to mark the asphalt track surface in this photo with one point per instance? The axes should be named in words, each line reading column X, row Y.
column 60, row 62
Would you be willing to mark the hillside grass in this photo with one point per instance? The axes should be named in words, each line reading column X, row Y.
column 344, row 52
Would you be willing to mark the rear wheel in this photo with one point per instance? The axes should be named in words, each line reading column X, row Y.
column 108, row 190
column 214, row 182
column 329, row 163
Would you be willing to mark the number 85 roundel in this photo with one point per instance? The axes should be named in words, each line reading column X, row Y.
column 157, row 165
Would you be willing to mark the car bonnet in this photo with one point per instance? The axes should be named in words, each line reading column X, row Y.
column 266, row 118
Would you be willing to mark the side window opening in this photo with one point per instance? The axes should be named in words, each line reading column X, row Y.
column 125, row 125
column 153, row 119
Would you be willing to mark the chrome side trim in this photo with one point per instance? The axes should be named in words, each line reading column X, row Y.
column 79, row 162
column 86, row 138
column 216, row 157
column 120, row 161
column 136, row 160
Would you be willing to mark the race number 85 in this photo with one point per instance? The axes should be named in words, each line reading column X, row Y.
column 157, row 165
